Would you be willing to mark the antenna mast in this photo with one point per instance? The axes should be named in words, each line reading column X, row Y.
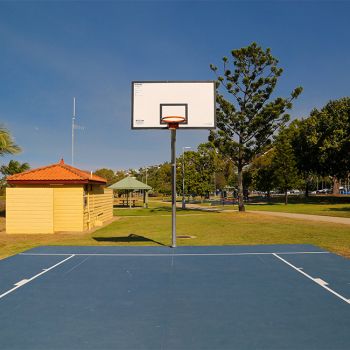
column 73, row 127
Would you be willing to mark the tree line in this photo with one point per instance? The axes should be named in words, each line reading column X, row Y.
column 252, row 129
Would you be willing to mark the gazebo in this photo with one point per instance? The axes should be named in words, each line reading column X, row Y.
column 130, row 184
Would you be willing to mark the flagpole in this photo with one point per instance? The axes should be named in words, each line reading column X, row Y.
column 73, row 127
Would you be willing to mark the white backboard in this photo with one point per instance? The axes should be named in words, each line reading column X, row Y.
column 152, row 100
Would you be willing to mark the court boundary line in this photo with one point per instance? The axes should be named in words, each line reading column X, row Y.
column 173, row 254
column 25, row 281
column 318, row 281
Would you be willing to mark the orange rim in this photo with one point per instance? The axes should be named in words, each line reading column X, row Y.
column 170, row 119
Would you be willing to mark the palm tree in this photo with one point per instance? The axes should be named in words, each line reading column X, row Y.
column 7, row 144
column 14, row 167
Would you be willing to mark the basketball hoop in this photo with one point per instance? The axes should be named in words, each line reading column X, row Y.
column 173, row 121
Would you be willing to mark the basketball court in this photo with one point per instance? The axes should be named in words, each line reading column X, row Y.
column 227, row 297
column 210, row 297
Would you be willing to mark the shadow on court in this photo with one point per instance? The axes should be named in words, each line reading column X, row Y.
column 132, row 238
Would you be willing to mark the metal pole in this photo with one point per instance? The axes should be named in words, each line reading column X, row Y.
column 73, row 127
column 173, row 187
column 183, row 179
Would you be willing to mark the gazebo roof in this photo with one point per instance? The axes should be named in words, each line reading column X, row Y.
column 130, row 183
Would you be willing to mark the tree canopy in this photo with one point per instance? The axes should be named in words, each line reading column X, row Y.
column 199, row 171
column 7, row 144
column 328, row 135
column 14, row 167
column 107, row 174
column 284, row 164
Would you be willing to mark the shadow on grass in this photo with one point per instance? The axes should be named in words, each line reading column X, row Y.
column 223, row 203
column 127, row 239
column 2, row 213
column 137, row 205
column 152, row 210
column 187, row 210
column 320, row 200
column 339, row 209
column 162, row 210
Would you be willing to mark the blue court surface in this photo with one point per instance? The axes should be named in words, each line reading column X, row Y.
column 227, row 297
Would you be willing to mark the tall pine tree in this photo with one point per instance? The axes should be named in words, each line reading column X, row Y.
column 247, row 117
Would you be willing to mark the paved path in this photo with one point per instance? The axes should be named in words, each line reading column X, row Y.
column 336, row 220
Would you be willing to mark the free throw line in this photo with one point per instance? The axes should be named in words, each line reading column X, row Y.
column 22, row 283
column 315, row 280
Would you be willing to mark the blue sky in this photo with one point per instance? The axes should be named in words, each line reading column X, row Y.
column 53, row 51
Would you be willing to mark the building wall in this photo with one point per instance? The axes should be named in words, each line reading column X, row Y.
column 49, row 209
column 68, row 208
column 98, row 206
column 29, row 210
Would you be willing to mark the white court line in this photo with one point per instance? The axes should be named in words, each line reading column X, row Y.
column 23, row 282
column 75, row 266
column 171, row 254
column 318, row 281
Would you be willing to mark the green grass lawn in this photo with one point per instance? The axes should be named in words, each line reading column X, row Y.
column 207, row 229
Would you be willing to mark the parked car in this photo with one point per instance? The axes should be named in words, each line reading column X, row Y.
column 324, row 191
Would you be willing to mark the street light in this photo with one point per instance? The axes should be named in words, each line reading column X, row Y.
column 145, row 194
column 146, row 175
column 183, row 177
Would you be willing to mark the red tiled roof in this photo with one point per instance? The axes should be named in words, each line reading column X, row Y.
column 56, row 173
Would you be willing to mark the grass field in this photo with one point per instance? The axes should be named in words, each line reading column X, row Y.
column 327, row 209
column 153, row 227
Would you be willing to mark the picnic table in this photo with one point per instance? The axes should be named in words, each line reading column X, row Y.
column 125, row 202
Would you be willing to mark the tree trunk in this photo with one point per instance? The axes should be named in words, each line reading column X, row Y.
column 285, row 197
column 240, row 188
column 336, row 185
column 307, row 187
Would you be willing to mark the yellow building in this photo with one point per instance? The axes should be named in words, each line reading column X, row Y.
column 57, row 198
